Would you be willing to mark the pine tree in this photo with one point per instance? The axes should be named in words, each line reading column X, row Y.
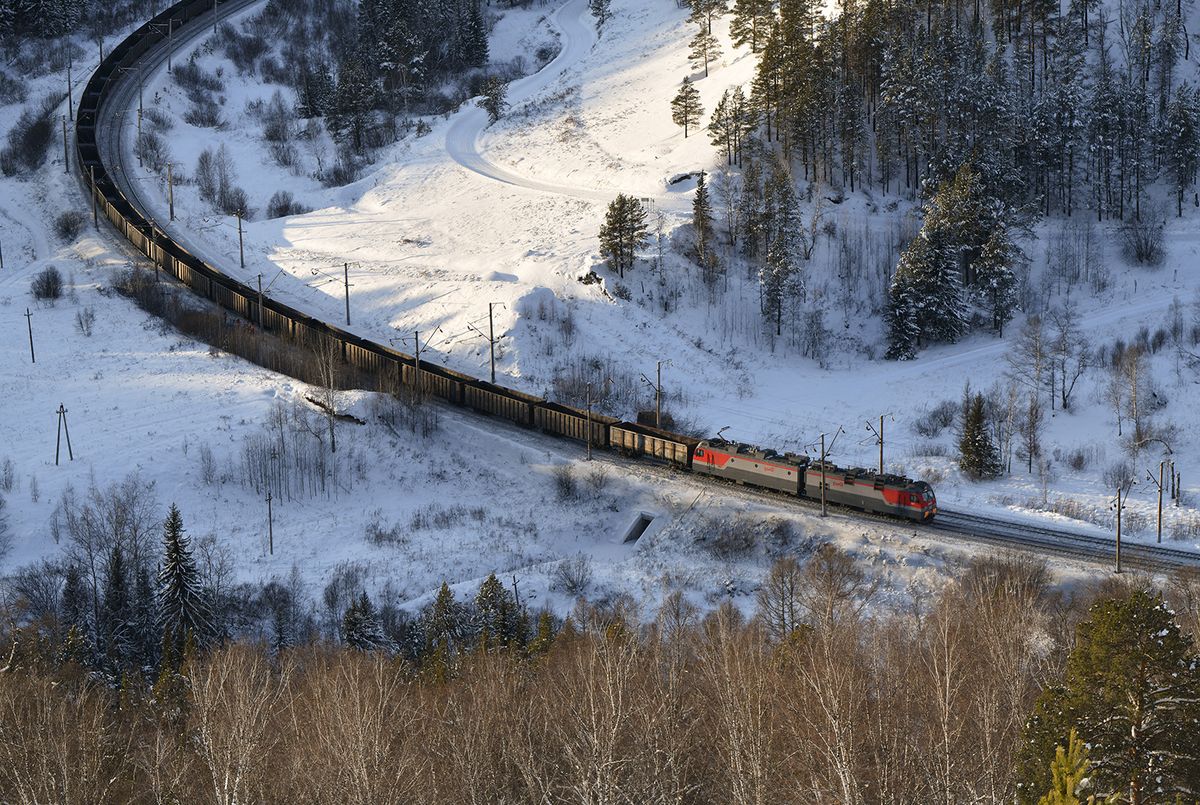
column 315, row 93
column 183, row 609
column 751, row 22
column 1132, row 690
column 704, row 49
column 977, row 455
column 623, row 232
column 722, row 127
column 685, row 107
column 1069, row 771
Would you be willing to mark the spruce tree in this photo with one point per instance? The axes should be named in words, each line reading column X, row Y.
column 182, row 606
column 443, row 630
column 499, row 622
column 1181, row 141
column 900, row 317
column 685, row 108
column 493, row 102
column 116, row 611
column 702, row 220
column 977, row 455
column 995, row 282
column 353, row 101
column 474, row 46
column 1132, row 690
column 361, row 625
column 602, row 11
column 544, row 636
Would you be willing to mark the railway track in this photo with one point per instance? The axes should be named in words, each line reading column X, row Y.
column 100, row 155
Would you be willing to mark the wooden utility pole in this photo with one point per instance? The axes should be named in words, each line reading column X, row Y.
column 62, row 428
column 346, row 280
column 170, row 187
column 260, row 302
column 270, row 526
column 138, row 143
column 241, row 241
column 70, row 89
column 417, row 361
column 1, row 256
column 170, row 41
column 95, row 214
column 66, row 147
column 29, row 321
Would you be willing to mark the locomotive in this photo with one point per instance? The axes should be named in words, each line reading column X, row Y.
column 799, row 475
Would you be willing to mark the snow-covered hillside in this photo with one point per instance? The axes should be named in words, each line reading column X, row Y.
column 509, row 213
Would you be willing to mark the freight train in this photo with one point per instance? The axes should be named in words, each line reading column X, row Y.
column 787, row 473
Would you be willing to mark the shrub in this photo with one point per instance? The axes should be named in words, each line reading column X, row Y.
column 573, row 576
column 191, row 76
column 1118, row 474
column 204, row 111
column 29, row 138
column 11, row 90
column 937, row 419
column 69, row 224
column 85, row 321
column 47, row 285
column 565, row 485
column 1143, row 239
column 151, row 149
column 282, row 205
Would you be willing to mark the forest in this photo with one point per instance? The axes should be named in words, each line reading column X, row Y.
column 132, row 671
column 991, row 116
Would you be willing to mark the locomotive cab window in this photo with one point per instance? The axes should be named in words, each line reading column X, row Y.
column 700, row 453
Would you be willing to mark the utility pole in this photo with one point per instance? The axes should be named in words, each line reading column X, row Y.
column 1122, row 495
column 62, row 427
column 95, row 215
column 1, row 256
column 346, row 280
column 214, row 16
column 170, row 186
column 824, row 507
column 138, row 144
column 260, row 302
column 66, row 147
column 878, row 438
column 170, row 41
column 270, row 526
column 1159, row 483
column 589, row 421
column 658, row 393
column 491, row 336
column 70, row 89
column 241, row 241
column 492, row 349
column 29, row 321
column 417, row 362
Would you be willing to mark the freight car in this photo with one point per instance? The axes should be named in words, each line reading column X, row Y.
column 784, row 472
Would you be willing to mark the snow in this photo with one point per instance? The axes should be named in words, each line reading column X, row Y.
column 470, row 214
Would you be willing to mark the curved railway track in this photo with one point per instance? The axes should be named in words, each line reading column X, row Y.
column 114, row 196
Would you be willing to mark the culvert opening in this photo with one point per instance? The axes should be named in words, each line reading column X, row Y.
column 639, row 527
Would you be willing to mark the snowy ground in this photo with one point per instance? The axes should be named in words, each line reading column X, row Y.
column 445, row 224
